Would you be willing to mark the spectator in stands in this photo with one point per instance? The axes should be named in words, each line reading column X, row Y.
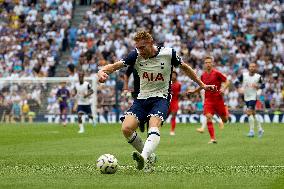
column 25, row 111
column 76, row 52
column 26, row 33
column 2, row 109
column 235, row 32
column 16, row 111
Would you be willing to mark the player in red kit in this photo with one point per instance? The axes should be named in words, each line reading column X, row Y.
column 173, row 109
column 214, row 102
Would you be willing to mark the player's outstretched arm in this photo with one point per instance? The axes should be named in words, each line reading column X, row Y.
column 108, row 69
column 191, row 73
column 193, row 91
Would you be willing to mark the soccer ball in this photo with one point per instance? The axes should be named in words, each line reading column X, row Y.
column 107, row 164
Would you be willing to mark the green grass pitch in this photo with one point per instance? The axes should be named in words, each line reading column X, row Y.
column 51, row 156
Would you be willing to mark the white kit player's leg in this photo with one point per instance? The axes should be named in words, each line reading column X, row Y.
column 219, row 121
column 138, row 144
column 152, row 142
column 94, row 123
column 82, row 129
column 81, row 125
column 251, row 126
column 203, row 124
column 136, row 141
column 129, row 126
column 258, row 124
column 150, row 163
column 139, row 159
column 147, row 158
column 152, row 158
column 93, row 120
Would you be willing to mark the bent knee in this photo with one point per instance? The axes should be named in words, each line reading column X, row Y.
column 250, row 112
column 127, row 129
column 155, row 121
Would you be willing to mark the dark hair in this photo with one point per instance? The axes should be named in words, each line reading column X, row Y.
column 71, row 67
column 174, row 72
column 37, row 68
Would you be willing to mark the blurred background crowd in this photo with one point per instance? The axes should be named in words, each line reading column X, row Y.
column 35, row 34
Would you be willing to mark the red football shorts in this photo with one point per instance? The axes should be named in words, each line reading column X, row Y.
column 216, row 107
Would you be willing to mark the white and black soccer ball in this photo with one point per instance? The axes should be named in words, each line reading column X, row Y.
column 107, row 164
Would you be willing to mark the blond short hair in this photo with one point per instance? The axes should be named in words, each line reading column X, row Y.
column 209, row 57
column 142, row 35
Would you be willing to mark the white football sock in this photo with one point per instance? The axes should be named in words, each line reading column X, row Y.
column 217, row 119
column 203, row 122
column 152, row 142
column 251, row 123
column 136, row 142
column 81, row 126
column 258, row 124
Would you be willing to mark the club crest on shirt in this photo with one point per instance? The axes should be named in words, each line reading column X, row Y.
column 162, row 65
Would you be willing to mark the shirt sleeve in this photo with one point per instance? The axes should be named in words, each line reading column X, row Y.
column 129, row 70
column 130, row 59
column 222, row 77
column 176, row 60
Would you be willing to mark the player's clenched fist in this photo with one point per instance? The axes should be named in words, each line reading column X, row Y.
column 102, row 76
column 210, row 87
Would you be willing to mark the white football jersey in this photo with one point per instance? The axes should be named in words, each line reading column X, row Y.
column 155, row 72
column 83, row 90
column 250, row 93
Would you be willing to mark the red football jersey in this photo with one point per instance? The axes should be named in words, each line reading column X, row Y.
column 213, row 78
column 175, row 90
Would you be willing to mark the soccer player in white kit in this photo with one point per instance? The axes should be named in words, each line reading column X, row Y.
column 83, row 91
column 251, row 82
column 154, row 66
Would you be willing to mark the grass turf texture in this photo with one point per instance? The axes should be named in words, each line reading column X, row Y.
column 51, row 156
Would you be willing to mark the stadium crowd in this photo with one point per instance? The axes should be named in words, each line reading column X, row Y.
column 32, row 35
column 234, row 32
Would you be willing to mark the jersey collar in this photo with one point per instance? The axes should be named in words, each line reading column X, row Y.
column 158, row 51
